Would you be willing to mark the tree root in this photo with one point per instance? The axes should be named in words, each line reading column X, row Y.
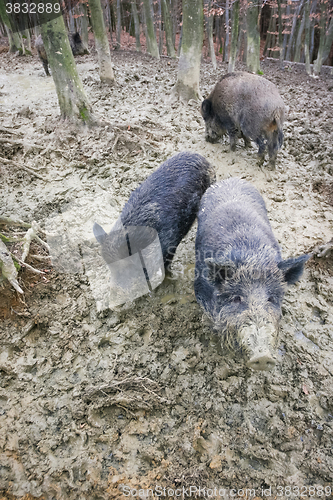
column 8, row 268
column 324, row 250
column 14, row 222
column 7, row 259
column 23, row 167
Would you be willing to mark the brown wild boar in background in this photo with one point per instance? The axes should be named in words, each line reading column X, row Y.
column 248, row 106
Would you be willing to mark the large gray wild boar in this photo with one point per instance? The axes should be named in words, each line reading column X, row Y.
column 248, row 106
column 241, row 277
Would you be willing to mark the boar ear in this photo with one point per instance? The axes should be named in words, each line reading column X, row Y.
column 219, row 272
column 206, row 109
column 99, row 233
column 293, row 268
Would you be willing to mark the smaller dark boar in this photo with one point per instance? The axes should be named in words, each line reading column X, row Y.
column 240, row 276
column 248, row 106
column 167, row 201
column 77, row 46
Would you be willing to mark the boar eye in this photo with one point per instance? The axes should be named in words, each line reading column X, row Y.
column 271, row 299
column 237, row 299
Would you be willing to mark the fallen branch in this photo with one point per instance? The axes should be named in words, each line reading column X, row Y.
column 115, row 143
column 41, row 257
column 13, row 222
column 21, row 143
column 7, row 131
column 27, row 265
column 27, row 169
column 324, row 250
column 8, row 268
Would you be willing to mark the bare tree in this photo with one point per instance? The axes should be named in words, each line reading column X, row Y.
column 73, row 102
column 187, row 86
column 168, row 29
column 118, row 36
column 226, row 43
column 307, row 37
column 280, row 33
column 293, row 29
column 253, row 36
column 102, row 43
column 234, row 36
column 152, row 47
column 136, row 25
column 209, row 18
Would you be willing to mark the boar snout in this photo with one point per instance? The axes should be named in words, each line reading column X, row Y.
column 259, row 343
column 262, row 361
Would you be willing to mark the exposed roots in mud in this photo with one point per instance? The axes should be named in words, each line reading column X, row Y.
column 131, row 393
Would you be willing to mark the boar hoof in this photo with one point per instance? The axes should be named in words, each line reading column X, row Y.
column 263, row 361
column 261, row 160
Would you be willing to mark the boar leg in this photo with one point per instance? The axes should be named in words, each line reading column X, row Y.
column 233, row 139
column 46, row 68
column 247, row 141
column 261, row 151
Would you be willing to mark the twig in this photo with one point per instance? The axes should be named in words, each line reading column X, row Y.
column 45, row 245
column 14, row 164
column 21, row 143
column 8, row 268
column 12, row 222
column 41, row 257
column 26, row 265
column 6, row 131
column 115, row 143
column 6, row 161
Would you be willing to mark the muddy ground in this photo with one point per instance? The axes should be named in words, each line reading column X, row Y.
column 94, row 400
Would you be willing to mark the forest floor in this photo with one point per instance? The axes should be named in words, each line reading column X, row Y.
column 92, row 399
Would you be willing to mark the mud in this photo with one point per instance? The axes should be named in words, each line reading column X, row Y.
column 92, row 399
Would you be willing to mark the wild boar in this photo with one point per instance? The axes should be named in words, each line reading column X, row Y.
column 248, row 106
column 240, row 276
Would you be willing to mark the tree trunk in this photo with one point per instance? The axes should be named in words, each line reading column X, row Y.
column 253, row 36
column 180, row 41
column 218, row 38
column 234, row 36
column 72, row 99
column 269, row 34
column 136, row 25
column 15, row 41
column 160, row 29
column 152, row 47
column 307, row 37
column 209, row 19
column 118, row 38
column 14, row 38
column 226, row 44
column 280, row 33
column 299, row 44
column 285, row 36
column 25, row 34
column 102, row 43
column 187, row 86
column 174, row 4
column 293, row 28
column 84, row 23
column 328, row 42
column 168, row 29
column 319, row 61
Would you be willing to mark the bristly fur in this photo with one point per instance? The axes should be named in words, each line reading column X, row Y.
column 240, row 276
column 248, row 106
column 168, row 201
